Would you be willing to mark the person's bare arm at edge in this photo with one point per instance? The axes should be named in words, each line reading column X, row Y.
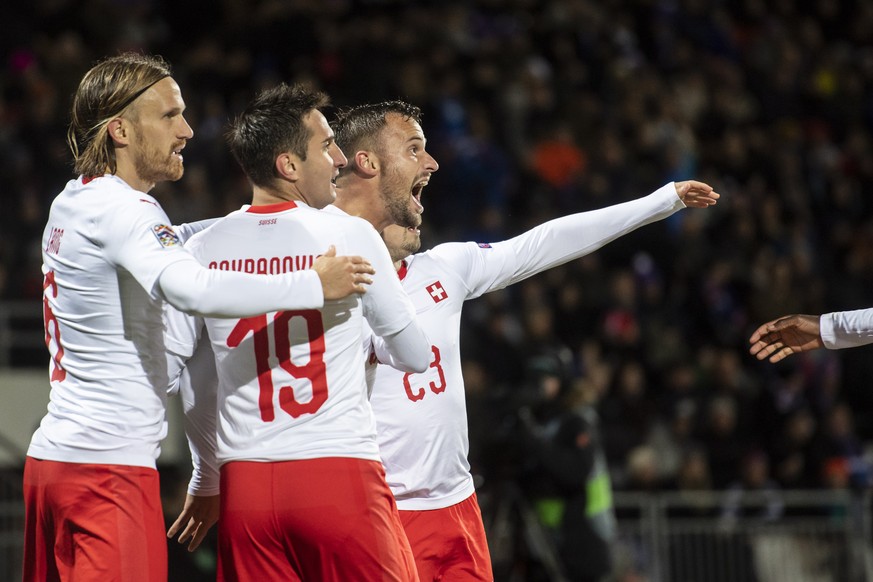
column 787, row 335
column 199, row 513
column 342, row 276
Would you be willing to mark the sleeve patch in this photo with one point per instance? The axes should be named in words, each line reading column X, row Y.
column 484, row 245
column 166, row 235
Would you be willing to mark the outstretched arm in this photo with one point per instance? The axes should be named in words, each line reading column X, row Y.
column 787, row 335
column 799, row 333
column 570, row 237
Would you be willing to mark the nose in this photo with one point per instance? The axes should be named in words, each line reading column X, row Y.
column 186, row 132
column 430, row 163
column 339, row 158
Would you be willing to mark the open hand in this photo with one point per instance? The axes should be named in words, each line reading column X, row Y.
column 787, row 335
column 696, row 194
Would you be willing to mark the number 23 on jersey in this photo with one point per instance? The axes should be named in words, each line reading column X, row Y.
column 438, row 387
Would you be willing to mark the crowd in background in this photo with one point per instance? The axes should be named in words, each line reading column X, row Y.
column 535, row 109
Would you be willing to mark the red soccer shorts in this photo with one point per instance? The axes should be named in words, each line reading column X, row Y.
column 449, row 544
column 93, row 522
column 331, row 519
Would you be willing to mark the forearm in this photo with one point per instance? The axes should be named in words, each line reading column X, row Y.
column 198, row 388
column 570, row 237
column 847, row 329
column 407, row 350
column 175, row 367
column 191, row 288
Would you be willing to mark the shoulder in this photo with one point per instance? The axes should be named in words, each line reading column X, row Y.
column 443, row 259
column 111, row 185
column 107, row 205
column 333, row 214
column 217, row 229
column 350, row 226
column 455, row 251
column 108, row 194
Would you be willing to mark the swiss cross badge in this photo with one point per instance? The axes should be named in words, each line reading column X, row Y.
column 437, row 293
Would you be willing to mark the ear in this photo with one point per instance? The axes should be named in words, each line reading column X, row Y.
column 119, row 131
column 367, row 163
column 287, row 166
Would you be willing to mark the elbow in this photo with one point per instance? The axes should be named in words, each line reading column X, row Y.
column 421, row 352
column 414, row 361
column 411, row 350
column 421, row 363
column 187, row 303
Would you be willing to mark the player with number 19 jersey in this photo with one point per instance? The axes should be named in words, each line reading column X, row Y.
column 303, row 494
column 291, row 384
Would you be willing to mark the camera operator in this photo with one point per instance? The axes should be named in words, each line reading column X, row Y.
column 566, row 475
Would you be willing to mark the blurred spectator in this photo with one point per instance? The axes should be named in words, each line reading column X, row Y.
column 628, row 413
column 755, row 494
column 793, row 466
column 723, row 440
column 838, row 440
column 641, row 473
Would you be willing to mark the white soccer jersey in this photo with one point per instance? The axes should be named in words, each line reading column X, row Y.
column 104, row 247
column 421, row 418
column 291, row 384
column 847, row 329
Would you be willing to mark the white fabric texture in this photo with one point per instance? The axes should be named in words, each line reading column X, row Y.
column 421, row 418
column 291, row 384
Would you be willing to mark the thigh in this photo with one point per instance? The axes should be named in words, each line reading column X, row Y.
column 251, row 546
column 93, row 522
column 449, row 544
column 39, row 554
column 334, row 518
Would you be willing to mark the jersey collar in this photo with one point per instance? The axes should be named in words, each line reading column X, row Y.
column 271, row 208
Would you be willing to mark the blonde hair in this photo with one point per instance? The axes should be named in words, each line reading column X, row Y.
column 105, row 91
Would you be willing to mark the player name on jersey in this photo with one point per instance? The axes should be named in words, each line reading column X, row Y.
column 265, row 265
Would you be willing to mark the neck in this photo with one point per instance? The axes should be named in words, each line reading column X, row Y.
column 364, row 202
column 266, row 196
column 125, row 170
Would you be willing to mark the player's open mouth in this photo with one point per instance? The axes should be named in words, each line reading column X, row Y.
column 178, row 152
column 417, row 189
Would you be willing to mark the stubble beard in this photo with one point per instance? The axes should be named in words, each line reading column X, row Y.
column 409, row 245
column 412, row 245
column 396, row 197
column 153, row 166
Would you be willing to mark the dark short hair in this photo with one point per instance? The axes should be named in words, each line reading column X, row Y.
column 271, row 125
column 358, row 128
